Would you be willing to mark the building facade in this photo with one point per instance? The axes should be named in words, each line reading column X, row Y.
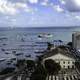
column 64, row 58
column 76, row 40
column 64, row 61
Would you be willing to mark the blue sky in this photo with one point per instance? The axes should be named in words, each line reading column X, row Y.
column 39, row 13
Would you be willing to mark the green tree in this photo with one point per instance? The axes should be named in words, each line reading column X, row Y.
column 20, row 63
column 70, row 44
column 30, row 64
column 39, row 73
column 52, row 67
column 77, row 65
column 49, row 45
column 7, row 70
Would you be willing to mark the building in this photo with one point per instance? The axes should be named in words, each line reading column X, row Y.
column 62, row 56
column 76, row 40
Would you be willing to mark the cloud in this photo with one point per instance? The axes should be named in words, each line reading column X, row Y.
column 23, row 6
column 7, row 7
column 73, row 5
column 77, row 2
column 20, row 5
column 33, row 1
column 44, row 3
column 58, row 8
column 63, row 2
column 77, row 17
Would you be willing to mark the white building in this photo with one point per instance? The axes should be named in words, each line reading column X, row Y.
column 63, row 57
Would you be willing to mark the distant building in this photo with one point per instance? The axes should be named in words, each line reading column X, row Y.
column 76, row 40
column 61, row 56
column 58, row 43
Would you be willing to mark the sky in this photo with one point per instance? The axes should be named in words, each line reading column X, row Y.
column 39, row 13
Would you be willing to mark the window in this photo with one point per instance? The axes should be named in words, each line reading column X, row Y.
column 68, row 67
column 63, row 66
column 68, row 62
column 59, row 62
column 72, row 66
column 72, row 62
column 63, row 62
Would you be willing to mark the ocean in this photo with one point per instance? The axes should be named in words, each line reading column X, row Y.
column 26, row 40
column 59, row 33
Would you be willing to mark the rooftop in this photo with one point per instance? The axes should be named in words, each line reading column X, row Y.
column 61, row 49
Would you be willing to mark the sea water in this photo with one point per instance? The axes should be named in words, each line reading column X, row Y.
column 12, row 37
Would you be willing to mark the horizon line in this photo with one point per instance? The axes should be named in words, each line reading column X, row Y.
column 43, row 27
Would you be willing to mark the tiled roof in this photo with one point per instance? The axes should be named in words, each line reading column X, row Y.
column 61, row 50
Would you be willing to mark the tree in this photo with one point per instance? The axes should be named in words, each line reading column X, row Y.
column 30, row 64
column 20, row 63
column 52, row 67
column 69, row 44
column 39, row 73
column 7, row 70
column 38, row 59
column 49, row 45
column 77, row 65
